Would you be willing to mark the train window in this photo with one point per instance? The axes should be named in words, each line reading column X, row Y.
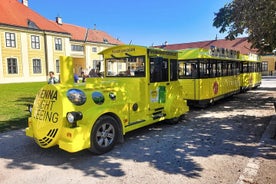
column 207, row 68
column 250, row 67
column 259, row 67
column 224, row 69
column 219, row 69
column 213, row 68
column 204, row 69
column 230, row 68
column 158, row 69
column 193, row 70
column 245, row 68
column 241, row 67
column 181, row 68
column 255, row 67
column 173, row 69
column 126, row 67
column 236, row 68
column 188, row 69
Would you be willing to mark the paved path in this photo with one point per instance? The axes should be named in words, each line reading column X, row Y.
column 225, row 144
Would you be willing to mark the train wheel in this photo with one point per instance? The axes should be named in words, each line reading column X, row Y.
column 172, row 121
column 104, row 135
column 212, row 102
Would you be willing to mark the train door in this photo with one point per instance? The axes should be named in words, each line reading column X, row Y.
column 158, row 84
column 189, row 79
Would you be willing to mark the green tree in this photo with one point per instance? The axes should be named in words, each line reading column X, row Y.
column 257, row 18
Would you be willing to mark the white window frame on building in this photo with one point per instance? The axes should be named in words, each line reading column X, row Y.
column 37, row 66
column 79, row 48
column 58, row 44
column 94, row 49
column 264, row 66
column 10, row 39
column 35, row 42
column 12, row 66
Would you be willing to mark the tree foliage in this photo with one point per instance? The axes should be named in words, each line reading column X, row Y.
column 257, row 18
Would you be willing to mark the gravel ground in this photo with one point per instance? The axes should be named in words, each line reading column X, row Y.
column 221, row 144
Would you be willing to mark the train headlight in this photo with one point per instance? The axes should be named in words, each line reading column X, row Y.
column 73, row 117
column 76, row 96
column 70, row 117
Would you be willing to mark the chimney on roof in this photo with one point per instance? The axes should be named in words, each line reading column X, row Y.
column 95, row 26
column 25, row 2
column 59, row 20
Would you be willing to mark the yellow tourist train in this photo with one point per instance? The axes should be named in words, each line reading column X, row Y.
column 140, row 87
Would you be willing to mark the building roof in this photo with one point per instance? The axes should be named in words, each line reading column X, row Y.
column 101, row 36
column 17, row 14
column 239, row 44
column 88, row 35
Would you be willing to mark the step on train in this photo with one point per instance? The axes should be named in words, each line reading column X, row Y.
column 139, row 86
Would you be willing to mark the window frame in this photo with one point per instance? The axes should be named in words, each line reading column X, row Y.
column 159, row 69
column 12, row 68
column 207, row 68
column 58, row 44
column 10, row 39
column 173, row 70
column 77, row 48
column 133, row 66
column 35, row 42
column 189, row 70
column 264, row 66
column 94, row 49
column 37, row 68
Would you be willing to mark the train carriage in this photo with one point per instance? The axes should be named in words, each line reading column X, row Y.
column 250, row 72
column 208, row 75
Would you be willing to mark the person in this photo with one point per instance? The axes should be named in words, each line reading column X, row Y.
column 128, row 72
column 83, row 77
column 52, row 78
column 76, row 78
column 93, row 73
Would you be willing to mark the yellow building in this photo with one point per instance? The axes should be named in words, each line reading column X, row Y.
column 269, row 64
column 30, row 45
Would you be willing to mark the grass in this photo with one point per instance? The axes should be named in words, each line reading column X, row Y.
column 13, row 104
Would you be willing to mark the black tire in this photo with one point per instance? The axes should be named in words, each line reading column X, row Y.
column 172, row 121
column 104, row 135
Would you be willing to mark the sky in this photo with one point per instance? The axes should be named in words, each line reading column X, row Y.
column 139, row 22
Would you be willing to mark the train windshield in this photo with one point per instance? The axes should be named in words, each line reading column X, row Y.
column 133, row 66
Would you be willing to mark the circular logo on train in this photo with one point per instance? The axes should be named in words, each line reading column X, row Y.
column 215, row 87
